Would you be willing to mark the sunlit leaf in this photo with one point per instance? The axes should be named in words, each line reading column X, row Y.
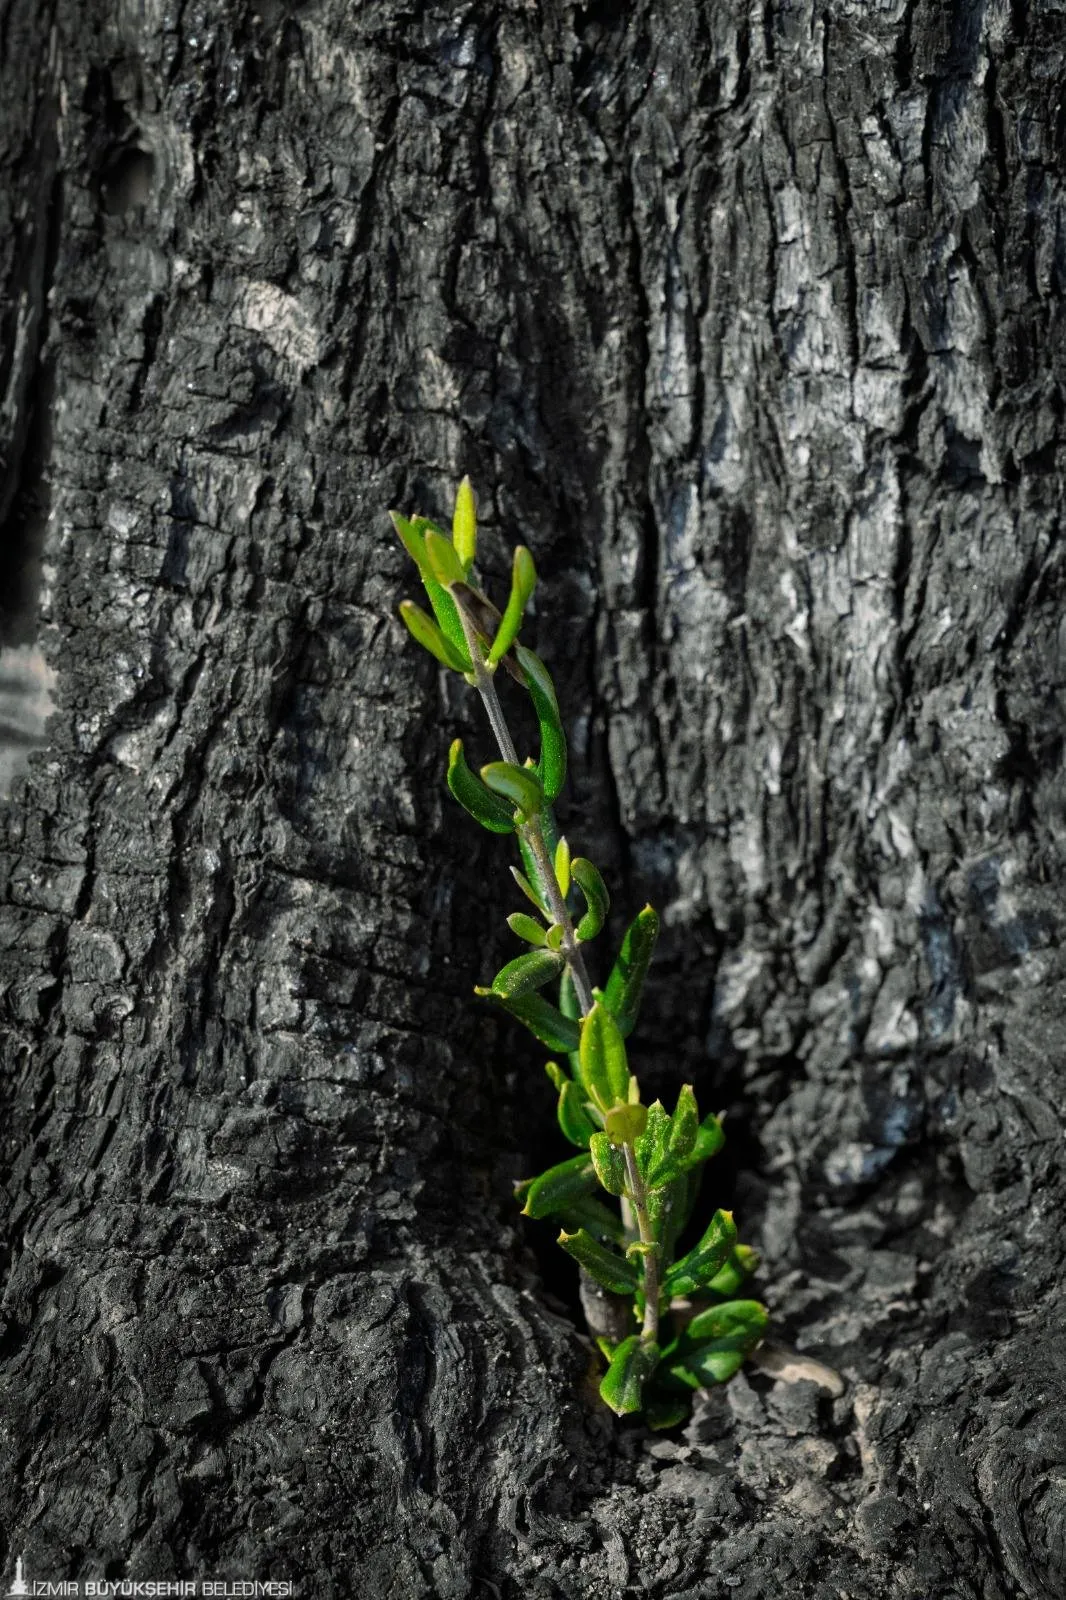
column 597, row 900
column 464, row 525
column 609, row 1163
column 525, row 973
column 560, row 1186
column 698, row 1267
column 602, row 1055
column 625, row 986
column 631, row 1366
column 523, row 582
column 526, row 927
column 520, row 785
column 544, row 1021
column 491, row 810
column 552, row 763
column 612, row 1271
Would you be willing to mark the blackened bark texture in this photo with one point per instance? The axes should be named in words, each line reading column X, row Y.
column 748, row 319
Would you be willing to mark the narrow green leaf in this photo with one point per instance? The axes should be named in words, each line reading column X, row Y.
column 562, row 867
column 632, row 1364
column 489, row 809
column 413, row 532
column 597, row 899
column 569, row 1004
column 609, row 1163
column 411, row 539
column 608, row 1268
column 696, row 1269
column 625, row 1124
column 595, row 1218
column 625, row 986
column 526, row 887
column 714, row 1361
column 525, row 973
column 464, row 525
column 429, row 636
column 534, row 877
column 710, row 1137
column 523, row 582
column 602, row 1054
column 684, row 1124
column 741, row 1264
column 670, row 1145
column 520, row 785
column 574, row 1120
column 444, row 564
column 651, row 1147
column 556, row 1074
column 552, row 764
column 554, row 936
column 526, row 928
column 544, row 1021
column 560, row 1186
column 746, row 1319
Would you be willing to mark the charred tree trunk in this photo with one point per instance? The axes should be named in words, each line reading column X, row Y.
column 748, row 320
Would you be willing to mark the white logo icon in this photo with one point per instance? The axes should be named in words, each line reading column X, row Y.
column 19, row 1585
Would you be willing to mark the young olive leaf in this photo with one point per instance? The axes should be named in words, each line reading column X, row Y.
column 569, row 1004
column 625, row 1124
column 698, row 1267
column 667, row 1149
column 517, row 784
column 747, row 1319
column 413, row 532
column 596, row 1218
column 531, row 866
column 525, row 973
column 556, row 1074
column 562, row 867
column 609, row 1269
column 554, row 936
column 741, row 1264
column 552, row 764
column 602, row 1057
column 560, row 1186
column 411, row 539
column 609, row 1163
column 715, row 1361
column 491, row 810
column 710, row 1137
column 526, row 928
column 464, row 525
column 574, row 1120
column 632, row 1365
column 684, row 1124
column 430, row 637
column 526, row 887
column 597, row 899
column 523, row 582
column 443, row 561
column 625, row 986
column 544, row 1021
column 651, row 1146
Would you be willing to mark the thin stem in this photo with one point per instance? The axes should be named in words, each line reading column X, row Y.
column 532, row 831
column 639, row 1200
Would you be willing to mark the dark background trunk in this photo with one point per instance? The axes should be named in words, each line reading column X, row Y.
column 748, row 320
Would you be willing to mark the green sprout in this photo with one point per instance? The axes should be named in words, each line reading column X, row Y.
column 677, row 1325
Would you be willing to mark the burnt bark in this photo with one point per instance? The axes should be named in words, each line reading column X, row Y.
column 748, row 320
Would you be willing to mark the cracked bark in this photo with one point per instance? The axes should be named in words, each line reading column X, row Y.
column 749, row 321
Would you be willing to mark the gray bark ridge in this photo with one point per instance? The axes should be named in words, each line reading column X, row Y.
column 746, row 320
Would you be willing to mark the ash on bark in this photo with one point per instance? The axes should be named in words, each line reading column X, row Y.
column 748, row 320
